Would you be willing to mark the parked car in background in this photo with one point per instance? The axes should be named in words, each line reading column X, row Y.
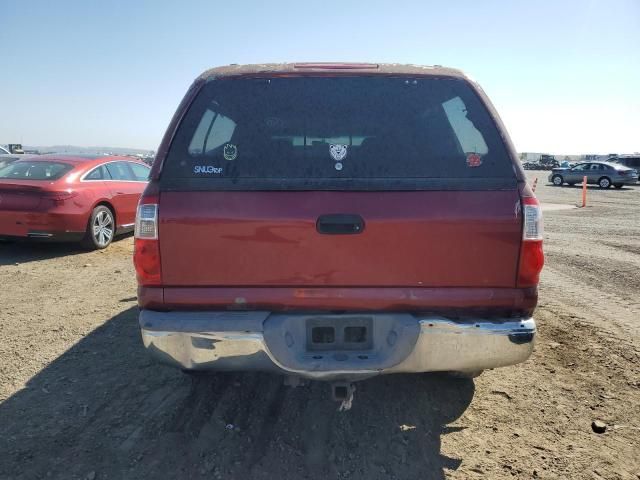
column 631, row 161
column 603, row 174
column 148, row 159
column 15, row 148
column 293, row 225
column 6, row 159
column 547, row 162
column 89, row 199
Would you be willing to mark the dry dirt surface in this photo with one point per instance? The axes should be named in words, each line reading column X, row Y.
column 80, row 399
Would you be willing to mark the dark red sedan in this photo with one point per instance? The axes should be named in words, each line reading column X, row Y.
column 70, row 198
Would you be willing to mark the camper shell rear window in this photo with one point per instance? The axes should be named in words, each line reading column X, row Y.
column 337, row 132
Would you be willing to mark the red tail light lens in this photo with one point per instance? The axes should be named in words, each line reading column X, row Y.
column 146, row 258
column 531, row 263
column 531, row 253
column 146, row 254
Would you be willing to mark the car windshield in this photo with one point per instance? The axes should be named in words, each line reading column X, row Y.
column 338, row 128
column 36, row 170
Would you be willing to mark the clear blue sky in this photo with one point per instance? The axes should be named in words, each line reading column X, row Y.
column 564, row 75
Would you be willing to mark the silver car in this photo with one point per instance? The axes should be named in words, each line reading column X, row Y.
column 603, row 174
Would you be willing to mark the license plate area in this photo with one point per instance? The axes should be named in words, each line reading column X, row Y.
column 330, row 333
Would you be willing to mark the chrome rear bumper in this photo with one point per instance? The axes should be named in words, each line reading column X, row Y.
column 277, row 342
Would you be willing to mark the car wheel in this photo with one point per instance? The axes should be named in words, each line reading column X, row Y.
column 618, row 186
column 100, row 229
column 604, row 182
column 557, row 180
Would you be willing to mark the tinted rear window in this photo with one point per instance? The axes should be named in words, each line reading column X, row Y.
column 632, row 162
column 38, row 170
column 340, row 131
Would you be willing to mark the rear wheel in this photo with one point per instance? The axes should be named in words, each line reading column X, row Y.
column 557, row 180
column 604, row 182
column 100, row 229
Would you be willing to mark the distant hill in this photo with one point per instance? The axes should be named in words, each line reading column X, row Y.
column 73, row 149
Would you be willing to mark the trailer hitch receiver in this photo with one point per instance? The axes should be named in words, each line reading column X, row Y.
column 343, row 392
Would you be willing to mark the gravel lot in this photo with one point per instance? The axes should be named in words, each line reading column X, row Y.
column 79, row 398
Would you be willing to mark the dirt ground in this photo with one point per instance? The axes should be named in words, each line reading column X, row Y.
column 79, row 398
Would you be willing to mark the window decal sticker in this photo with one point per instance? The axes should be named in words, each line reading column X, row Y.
column 203, row 169
column 474, row 160
column 338, row 152
column 230, row 151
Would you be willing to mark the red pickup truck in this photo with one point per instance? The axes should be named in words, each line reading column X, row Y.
column 335, row 222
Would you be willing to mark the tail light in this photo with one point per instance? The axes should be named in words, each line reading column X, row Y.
column 57, row 199
column 531, row 254
column 146, row 254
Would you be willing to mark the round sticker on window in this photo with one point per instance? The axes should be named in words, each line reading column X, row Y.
column 474, row 160
column 230, row 151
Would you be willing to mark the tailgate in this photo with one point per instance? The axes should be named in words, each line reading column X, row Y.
column 418, row 239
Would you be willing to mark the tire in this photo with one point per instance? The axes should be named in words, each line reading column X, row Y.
column 604, row 182
column 557, row 180
column 618, row 186
column 100, row 229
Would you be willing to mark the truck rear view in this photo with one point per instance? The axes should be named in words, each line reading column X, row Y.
column 335, row 222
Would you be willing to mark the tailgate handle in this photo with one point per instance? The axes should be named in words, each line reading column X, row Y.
column 340, row 224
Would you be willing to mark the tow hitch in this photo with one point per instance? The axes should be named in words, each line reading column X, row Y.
column 340, row 391
column 343, row 392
